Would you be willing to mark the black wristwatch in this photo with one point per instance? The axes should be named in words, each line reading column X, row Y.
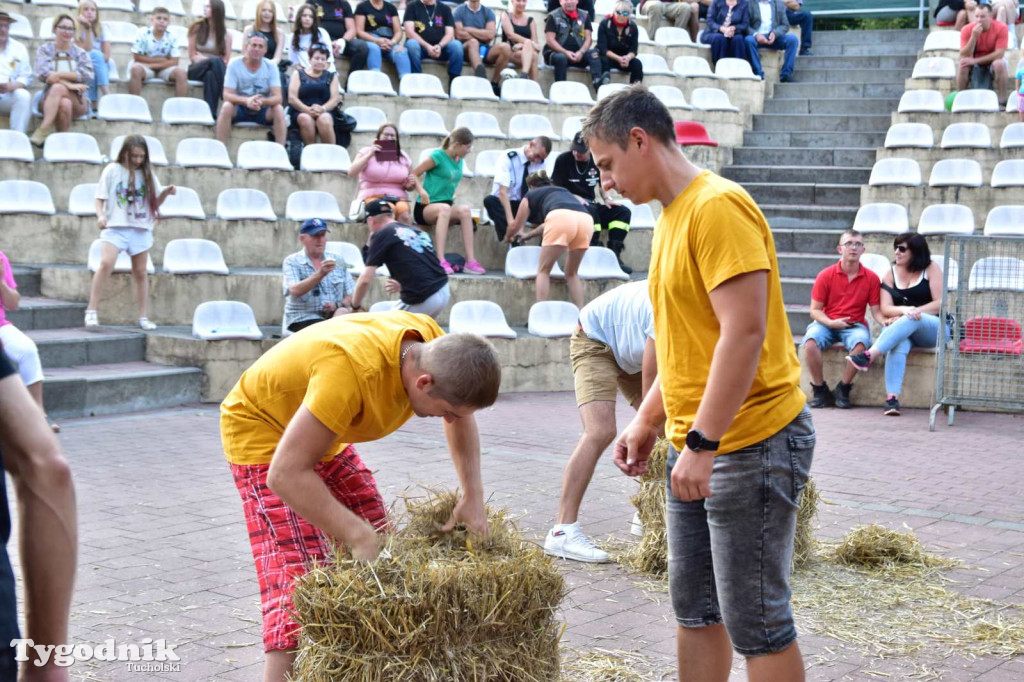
column 696, row 442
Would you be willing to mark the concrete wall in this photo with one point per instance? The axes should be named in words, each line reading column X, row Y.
column 869, row 387
column 980, row 199
column 926, row 158
column 995, row 121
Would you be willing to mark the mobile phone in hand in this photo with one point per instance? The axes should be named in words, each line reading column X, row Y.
column 388, row 150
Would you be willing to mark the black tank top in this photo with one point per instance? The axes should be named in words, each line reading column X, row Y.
column 315, row 90
column 916, row 295
column 524, row 31
column 271, row 42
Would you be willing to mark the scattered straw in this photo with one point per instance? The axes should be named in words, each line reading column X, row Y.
column 805, row 546
column 602, row 665
column 878, row 547
column 650, row 555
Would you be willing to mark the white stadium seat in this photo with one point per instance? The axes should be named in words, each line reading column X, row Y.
column 882, row 218
column 671, row 96
column 472, row 87
column 1011, row 101
column 487, row 162
column 969, row 135
column 643, row 37
column 25, row 196
column 553, row 319
column 918, row 135
column 642, row 217
column 215, row 320
column 1005, row 221
column 570, row 92
column 263, row 155
column 198, row 152
column 941, row 41
column 324, row 158
column 364, row 82
column 529, row 126
column 1013, row 136
column 479, row 317
column 15, row 146
column 173, row 6
column 421, row 122
column 350, row 254
column 304, row 205
column 895, row 172
column 121, row 32
column 522, row 263
column 157, row 155
column 384, row 306
column 570, row 126
column 599, row 262
column 654, row 64
column 180, row 33
column 194, row 256
column 1008, row 173
column 946, row 219
column 876, row 263
column 421, row 85
column 954, row 271
column 955, row 173
column 735, row 69
column 244, row 204
column 82, row 200
column 122, row 264
column 184, row 203
column 249, row 10
column 197, row 9
column 237, row 39
column 922, row 101
column 124, row 108
column 711, row 99
column 609, row 89
column 186, row 111
column 22, row 27
column 934, row 67
column 975, row 100
column 997, row 273
column 692, row 67
column 669, row 36
column 481, row 124
column 368, row 119
column 522, row 90
column 56, row 3
column 120, row 5
column 72, row 147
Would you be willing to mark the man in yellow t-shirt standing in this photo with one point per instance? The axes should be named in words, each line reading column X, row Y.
column 288, row 426
column 741, row 435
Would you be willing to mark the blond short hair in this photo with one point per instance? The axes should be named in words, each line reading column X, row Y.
column 465, row 368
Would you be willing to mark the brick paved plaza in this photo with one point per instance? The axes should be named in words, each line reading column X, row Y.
column 164, row 552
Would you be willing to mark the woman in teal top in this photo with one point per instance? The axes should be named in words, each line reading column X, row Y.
column 437, row 177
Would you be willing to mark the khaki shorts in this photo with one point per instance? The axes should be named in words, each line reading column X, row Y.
column 598, row 377
column 563, row 227
column 163, row 74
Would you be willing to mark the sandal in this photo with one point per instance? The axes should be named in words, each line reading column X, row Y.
column 145, row 325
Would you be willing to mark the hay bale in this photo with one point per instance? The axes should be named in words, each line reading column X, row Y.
column 440, row 607
column 805, row 546
column 650, row 555
column 878, row 547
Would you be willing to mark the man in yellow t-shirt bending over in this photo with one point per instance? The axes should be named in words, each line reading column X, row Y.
column 742, row 437
column 287, row 428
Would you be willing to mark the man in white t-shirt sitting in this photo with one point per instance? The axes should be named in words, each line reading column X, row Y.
column 252, row 92
column 15, row 77
column 612, row 350
column 155, row 53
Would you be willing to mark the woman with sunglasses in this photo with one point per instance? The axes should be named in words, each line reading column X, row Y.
column 617, row 41
column 305, row 32
column 910, row 300
column 66, row 69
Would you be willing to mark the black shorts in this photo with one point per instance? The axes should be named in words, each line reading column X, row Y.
column 417, row 212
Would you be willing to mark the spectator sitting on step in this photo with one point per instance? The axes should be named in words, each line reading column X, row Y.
column 911, row 301
column 955, row 13
column 313, row 95
column 509, row 186
column 1020, row 86
column 378, row 25
column 430, row 33
column 209, row 51
column 726, row 30
column 520, row 31
column 19, row 348
column 317, row 285
column 252, row 92
column 409, row 255
column 155, row 53
column 266, row 24
column 1005, row 11
column 441, row 173
column 65, row 69
column 679, row 13
column 338, row 19
column 15, row 77
column 385, row 173
column 798, row 16
column 769, row 28
column 617, row 42
column 475, row 26
column 307, row 32
column 91, row 37
column 982, row 46
column 839, row 298
column 576, row 171
column 568, row 42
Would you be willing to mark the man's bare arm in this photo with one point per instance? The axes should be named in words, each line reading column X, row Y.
column 464, row 444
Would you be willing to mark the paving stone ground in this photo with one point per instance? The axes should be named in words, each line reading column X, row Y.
column 164, row 553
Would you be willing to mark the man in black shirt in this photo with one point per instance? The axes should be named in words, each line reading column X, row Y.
column 575, row 171
column 409, row 254
column 569, row 42
column 430, row 31
column 337, row 19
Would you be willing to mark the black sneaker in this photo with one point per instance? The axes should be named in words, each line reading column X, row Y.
column 499, row 232
column 892, row 407
column 862, row 361
column 807, row 52
column 842, row 395
column 822, row 396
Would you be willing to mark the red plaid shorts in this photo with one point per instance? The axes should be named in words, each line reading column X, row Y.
column 284, row 544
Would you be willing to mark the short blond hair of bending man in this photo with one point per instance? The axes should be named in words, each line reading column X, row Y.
column 741, row 434
column 289, row 423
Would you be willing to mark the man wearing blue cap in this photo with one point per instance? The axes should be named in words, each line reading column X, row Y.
column 315, row 289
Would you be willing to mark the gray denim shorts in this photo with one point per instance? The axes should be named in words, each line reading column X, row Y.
column 729, row 555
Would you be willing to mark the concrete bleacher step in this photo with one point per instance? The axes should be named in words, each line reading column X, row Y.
column 879, row 38
column 72, row 347
column 842, row 155
column 862, row 50
column 799, row 317
column 803, row 88
column 804, row 194
column 822, row 122
column 839, row 105
column 851, row 175
column 846, row 62
column 797, row 288
column 803, row 264
column 89, row 390
column 810, row 217
column 813, row 139
column 815, row 242
column 38, row 312
column 864, row 76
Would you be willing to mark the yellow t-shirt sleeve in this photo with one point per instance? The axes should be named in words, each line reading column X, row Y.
column 333, row 396
column 728, row 240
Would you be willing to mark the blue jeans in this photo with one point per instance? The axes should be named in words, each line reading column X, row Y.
column 805, row 20
column 786, row 42
column 849, row 337
column 397, row 55
column 452, row 53
column 102, row 77
column 898, row 338
column 729, row 555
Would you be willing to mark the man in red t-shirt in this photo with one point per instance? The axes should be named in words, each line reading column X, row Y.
column 841, row 294
column 982, row 45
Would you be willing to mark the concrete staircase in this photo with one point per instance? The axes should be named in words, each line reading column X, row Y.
column 95, row 371
column 808, row 154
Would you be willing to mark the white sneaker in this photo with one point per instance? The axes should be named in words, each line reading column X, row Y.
column 635, row 527
column 568, row 541
column 146, row 325
column 91, row 318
